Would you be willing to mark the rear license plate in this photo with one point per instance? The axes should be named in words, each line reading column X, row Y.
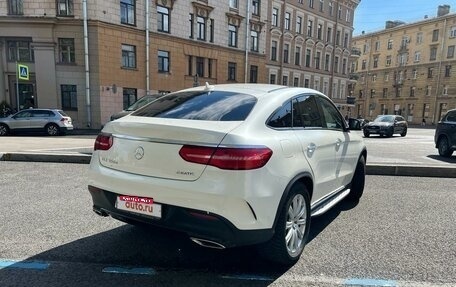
column 140, row 205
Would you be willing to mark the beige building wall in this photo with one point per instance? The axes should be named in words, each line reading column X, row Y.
column 422, row 88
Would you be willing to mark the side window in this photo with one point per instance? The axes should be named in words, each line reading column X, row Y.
column 282, row 117
column 332, row 117
column 305, row 112
column 451, row 117
column 23, row 115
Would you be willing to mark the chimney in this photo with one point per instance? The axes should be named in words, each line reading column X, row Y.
column 443, row 10
column 393, row 24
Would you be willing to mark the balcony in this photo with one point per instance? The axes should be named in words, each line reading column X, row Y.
column 353, row 77
column 355, row 52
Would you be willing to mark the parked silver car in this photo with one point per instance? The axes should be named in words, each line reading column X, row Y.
column 51, row 121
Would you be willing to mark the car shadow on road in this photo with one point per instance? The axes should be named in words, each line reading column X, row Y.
column 451, row 159
column 163, row 250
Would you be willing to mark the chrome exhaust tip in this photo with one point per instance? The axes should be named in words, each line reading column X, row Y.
column 207, row 243
column 100, row 212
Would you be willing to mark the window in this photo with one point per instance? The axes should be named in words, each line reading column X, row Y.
column 64, row 7
column 306, row 113
column 331, row 116
column 388, row 61
column 419, row 38
column 327, row 62
column 435, row 35
column 428, row 90
column 211, row 30
column 309, row 28
column 412, row 91
column 20, row 51
column 191, row 20
column 330, row 5
column 275, row 17
column 285, row 80
column 328, row 35
column 372, row 93
column 390, row 44
column 448, row 71
column 299, row 24
column 190, row 66
column 430, row 72
column 232, row 36
column 256, row 7
column 274, row 51
column 128, row 56
column 163, row 19
column 287, row 20
column 15, row 7
column 363, row 64
column 200, row 66
column 338, row 38
column 272, row 79
column 319, row 31
column 336, row 64
column 129, row 97
column 453, row 32
column 66, row 50
column 163, row 61
column 127, row 12
column 376, row 62
column 69, row 97
column 286, row 49
column 339, row 13
column 377, row 46
column 433, row 55
column 414, row 74
column 254, row 41
column 282, row 117
column 231, row 71
column 346, row 40
column 297, row 55
column 210, row 63
column 385, row 93
column 321, row 5
column 417, row 56
column 253, row 74
column 308, row 57
column 347, row 15
column 317, row 60
column 201, row 22
column 234, row 4
column 296, row 82
column 450, row 53
column 344, row 66
column 311, row 3
column 445, row 90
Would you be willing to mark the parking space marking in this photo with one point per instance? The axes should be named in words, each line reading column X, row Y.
column 36, row 265
column 130, row 270
column 370, row 282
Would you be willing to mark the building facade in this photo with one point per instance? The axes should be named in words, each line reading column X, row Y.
column 309, row 45
column 94, row 58
column 407, row 69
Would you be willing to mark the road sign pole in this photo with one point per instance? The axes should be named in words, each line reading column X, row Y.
column 17, row 86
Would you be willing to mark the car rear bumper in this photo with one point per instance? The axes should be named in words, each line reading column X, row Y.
column 195, row 223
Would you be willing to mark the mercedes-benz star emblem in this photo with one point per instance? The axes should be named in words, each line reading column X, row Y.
column 139, row 153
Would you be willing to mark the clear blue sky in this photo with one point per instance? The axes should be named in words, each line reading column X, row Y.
column 371, row 15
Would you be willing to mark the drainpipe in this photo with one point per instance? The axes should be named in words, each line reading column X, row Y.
column 147, row 47
column 435, row 119
column 333, row 54
column 86, row 59
column 247, row 30
column 282, row 40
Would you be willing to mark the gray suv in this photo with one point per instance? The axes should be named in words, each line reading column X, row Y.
column 445, row 134
column 51, row 121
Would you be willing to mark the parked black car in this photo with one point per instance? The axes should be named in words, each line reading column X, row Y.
column 445, row 134
column 386, row 125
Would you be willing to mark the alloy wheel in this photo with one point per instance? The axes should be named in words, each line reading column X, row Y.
column 296, row 225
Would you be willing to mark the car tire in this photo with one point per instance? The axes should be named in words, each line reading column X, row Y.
column 366, row 134
column 444, row 147
column 358, row 180
column 293, row 224
column 4, row 130
column 52, row 129
column 404, row 133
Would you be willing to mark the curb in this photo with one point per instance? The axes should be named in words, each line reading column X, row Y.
column 371, row 169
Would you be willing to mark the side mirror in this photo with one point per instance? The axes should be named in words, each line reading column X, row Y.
column 354, row 124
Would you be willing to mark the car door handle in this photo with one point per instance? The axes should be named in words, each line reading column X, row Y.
column 338, row 142
column 311, row 148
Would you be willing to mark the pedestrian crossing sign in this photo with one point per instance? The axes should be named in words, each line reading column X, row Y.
column 23, row 71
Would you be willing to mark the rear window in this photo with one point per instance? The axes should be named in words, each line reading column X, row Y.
column 205, row 106
column 63, row 113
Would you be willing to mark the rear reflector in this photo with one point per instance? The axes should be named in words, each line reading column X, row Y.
column 227, row 158
column 103, row 142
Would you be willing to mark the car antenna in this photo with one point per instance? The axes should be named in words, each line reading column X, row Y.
column 208, row 87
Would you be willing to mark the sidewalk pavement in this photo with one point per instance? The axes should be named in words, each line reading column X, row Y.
column 80, row 152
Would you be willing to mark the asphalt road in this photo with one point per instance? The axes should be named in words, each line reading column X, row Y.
column 402, row 231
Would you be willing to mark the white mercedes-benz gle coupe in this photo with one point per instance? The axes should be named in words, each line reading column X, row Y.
column 230, row 165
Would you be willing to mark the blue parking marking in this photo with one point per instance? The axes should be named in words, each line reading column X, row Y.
column 129, row 270
column 248, row 277
column 36, row 265
column 370, row 282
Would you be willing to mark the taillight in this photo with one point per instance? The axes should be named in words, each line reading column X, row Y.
column 103, row 142
column 227, row 158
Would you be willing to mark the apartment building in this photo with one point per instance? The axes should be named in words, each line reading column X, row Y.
column 130, row 48
column 309, row 45
column 407, row 69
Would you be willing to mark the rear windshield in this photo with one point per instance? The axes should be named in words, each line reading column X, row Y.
column 63, row 113
column 205, row 106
